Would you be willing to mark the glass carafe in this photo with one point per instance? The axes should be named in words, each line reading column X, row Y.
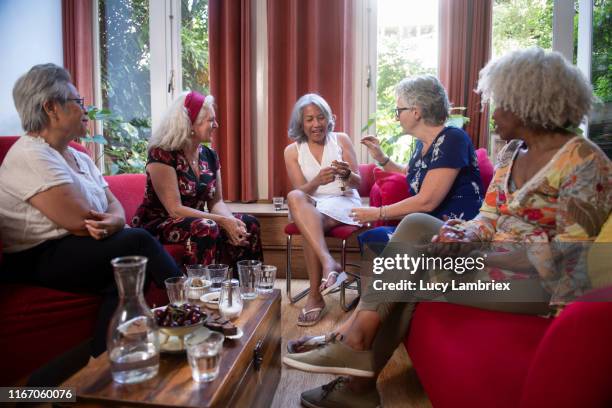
column 230, row 302
column 133, row 336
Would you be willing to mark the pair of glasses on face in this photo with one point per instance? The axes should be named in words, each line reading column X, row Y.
column 79, row 101
column 398, row 111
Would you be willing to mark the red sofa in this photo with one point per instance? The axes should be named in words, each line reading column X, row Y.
column 39, row 324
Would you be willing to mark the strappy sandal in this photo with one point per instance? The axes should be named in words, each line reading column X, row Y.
column 307, row 343
column 320, row 311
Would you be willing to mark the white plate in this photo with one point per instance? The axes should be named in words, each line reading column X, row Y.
column 211, row 300
column 236, row 336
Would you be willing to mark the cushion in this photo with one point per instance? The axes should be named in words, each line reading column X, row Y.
column 485, row 166
column 393, row 188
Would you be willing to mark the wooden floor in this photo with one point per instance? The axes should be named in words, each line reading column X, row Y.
column 397, row 384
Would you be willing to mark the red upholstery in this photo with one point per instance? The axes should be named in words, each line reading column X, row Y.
column 467, row 357
column 485, row 166
column 39, row 324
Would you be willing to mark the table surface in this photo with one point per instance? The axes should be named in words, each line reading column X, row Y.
column 173, row 386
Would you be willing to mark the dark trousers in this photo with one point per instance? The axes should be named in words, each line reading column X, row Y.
column 82, row 265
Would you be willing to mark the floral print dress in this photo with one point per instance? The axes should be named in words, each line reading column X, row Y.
column 207, row 243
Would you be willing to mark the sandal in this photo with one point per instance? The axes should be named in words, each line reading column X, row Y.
column 340, row 277
column 320, row 311
column 307, row 343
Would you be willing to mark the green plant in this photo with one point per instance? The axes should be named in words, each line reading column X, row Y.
column 125, row 143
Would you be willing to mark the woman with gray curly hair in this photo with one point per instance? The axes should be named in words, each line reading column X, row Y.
column 60, row 223
column 550, row 186
column 322, row 167
column 183, row 201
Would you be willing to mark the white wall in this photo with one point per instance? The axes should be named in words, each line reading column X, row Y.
column 30, row 33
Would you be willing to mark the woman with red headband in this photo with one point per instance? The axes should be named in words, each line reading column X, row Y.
column 183, row 201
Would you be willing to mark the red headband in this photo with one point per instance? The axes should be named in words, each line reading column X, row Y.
column 193, row 103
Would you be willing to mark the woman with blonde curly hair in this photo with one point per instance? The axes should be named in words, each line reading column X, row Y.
column 183, row 200
column 550, row 186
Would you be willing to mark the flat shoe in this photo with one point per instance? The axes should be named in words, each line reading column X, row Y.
column 334, row 357
column 320, row 311
column 336, row 394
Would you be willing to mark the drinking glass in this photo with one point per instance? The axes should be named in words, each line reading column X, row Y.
column 217, row 274
column 249, row 272
column 266, row 281
column 175, row 288
column 204, row 354
column 198, row 282
column 278, row 203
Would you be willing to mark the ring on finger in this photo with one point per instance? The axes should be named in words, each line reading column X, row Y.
column 104, row 232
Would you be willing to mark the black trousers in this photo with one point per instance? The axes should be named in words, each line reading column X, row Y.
column 82, row 265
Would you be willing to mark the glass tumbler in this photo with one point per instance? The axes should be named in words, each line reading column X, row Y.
column 249, row 272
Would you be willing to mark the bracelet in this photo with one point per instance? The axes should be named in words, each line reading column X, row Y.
column 383, row 210
column 384, row 162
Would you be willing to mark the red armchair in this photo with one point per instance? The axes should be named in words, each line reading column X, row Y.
column 39, row 324
column 468, row 357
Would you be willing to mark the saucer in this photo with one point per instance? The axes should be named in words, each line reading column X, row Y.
column 236, row 336
column 211, row 300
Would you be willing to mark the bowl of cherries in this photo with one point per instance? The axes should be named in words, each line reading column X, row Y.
column 176, row 321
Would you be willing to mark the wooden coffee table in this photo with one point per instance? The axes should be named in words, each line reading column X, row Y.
column 248, row 374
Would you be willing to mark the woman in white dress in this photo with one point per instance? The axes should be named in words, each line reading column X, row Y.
column 322, row 167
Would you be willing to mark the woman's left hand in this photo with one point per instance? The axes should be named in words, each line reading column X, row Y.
column 103, row 225
column 236, row 231
column 365, row 214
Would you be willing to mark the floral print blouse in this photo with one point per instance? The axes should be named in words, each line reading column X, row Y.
column 195, row 192
column 569, row 199
column 452, row 148
column 555, row 213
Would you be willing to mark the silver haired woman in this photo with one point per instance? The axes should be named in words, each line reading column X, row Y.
column 322, row 167
column 60, row 223
column 550, row 186
column 183, row 201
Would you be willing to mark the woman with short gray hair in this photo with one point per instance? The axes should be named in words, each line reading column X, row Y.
column 443, row 175
column 60, row 223
column 322, row 167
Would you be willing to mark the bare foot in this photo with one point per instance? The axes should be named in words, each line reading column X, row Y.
column 328, row 268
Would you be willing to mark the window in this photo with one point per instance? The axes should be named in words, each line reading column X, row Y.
column 407, row 44
column 600, row 124
column 125, row 82
column 141, row 72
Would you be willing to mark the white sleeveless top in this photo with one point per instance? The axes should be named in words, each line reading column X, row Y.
column 329, row 198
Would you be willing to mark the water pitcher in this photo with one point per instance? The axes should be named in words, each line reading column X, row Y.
column 133, row 337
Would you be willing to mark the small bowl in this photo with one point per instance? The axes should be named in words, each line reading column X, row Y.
column 180, row 331
column 211, row 300
column 196, row 292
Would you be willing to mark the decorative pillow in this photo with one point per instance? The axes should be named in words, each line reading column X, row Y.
column 393, row 188
column 485, row 166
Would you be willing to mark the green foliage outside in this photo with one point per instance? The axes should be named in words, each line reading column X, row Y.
column 520, row 24
column 601, row 63
column 194, row 45
column 396, row 61
column 125, row 75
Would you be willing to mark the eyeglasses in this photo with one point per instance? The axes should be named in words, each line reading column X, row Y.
column 80, row 101
column 400, row 110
